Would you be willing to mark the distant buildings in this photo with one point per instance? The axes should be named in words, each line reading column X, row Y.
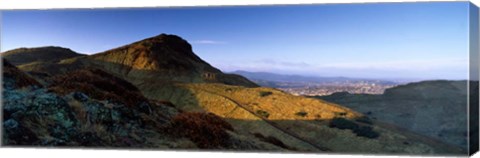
column 354, row 88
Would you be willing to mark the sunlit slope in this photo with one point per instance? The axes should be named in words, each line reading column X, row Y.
column 244, row 122
column 276, row 104
column 297, row 121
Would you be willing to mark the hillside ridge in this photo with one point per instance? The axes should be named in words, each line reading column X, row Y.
column 411, row 106
column 24, row 55
column 168, row 57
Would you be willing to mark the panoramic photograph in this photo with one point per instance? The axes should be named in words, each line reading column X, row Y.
column 372, row 78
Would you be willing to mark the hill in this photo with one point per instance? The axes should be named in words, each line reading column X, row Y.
column 221, row 106
column 163, row 57
column 433, row 108
column 15, row 78
column 23, row 56
column 91, row 108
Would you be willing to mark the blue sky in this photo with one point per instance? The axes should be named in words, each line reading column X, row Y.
column 378, row 40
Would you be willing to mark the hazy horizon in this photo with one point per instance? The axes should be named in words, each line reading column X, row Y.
column 399, row 79
column 427, row 40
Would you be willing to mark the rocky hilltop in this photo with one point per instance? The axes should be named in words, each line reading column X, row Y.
column 163, row 57
column 157, row 93
column 15, row 78
column 433, row 108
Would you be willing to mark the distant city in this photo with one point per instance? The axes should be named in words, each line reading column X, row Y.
column 328, row 88
column 322, row 90
column 318, row 86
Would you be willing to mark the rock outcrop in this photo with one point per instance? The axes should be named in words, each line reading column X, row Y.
column 15, row 78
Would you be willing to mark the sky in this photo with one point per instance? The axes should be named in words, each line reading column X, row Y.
column 376, row 40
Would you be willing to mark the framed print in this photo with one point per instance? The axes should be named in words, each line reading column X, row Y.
column 357, row 78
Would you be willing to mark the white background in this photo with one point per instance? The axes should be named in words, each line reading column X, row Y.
column 87, row 153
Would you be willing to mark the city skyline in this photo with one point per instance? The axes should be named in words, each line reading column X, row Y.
column 380, row 40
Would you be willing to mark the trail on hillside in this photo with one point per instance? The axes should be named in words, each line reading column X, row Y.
column 269, row 122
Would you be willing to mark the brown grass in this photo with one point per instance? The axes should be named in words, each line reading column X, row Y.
column 21, row 79
column 98, row 85
column 206, row 130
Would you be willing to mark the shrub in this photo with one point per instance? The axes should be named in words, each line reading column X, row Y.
column 301, row 113
column 262, row 113
column 342, row 114
column 342, row 123
column 364, row 119
column 265, row 93
column 366, row 131
column 206, row 130
column 361, row 131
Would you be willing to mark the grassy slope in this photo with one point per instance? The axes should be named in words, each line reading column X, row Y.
column 239, row 106
column 431, row 108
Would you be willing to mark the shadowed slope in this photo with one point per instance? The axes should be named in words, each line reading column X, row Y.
column 19, row 78
column 98, row 84
column 433, row 108
column 23, row 56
